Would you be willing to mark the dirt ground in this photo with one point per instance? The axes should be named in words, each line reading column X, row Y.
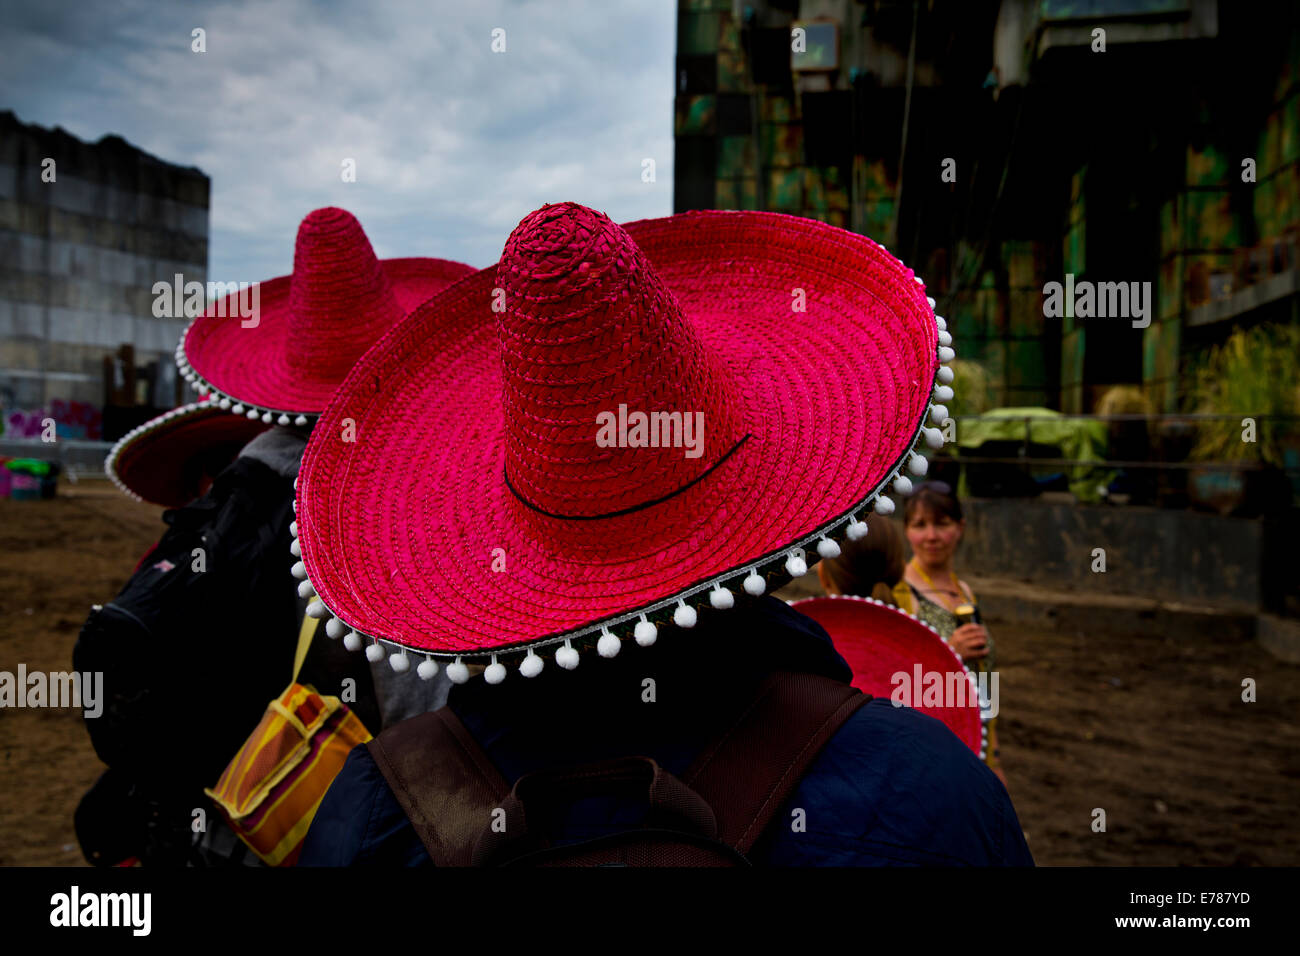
column 1150, row 730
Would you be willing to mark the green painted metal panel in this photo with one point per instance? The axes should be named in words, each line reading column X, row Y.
column 697, row 32
column 697, row 115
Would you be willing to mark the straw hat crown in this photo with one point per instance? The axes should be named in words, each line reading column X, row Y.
column 340, row 299
column 587, row 326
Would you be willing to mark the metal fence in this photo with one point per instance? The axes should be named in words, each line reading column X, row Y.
column 1152, row 455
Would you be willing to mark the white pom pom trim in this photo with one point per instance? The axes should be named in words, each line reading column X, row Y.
column 531, row 665
column 608, row 645
column 374, row 653
column 495, row 672
column 795, row 565
column 684, row 615
column 399, row 662
column 457, row 672
column 946, row 375
column 567, row 656
column 918, row 465
column 857, row 530
column 884, row 505
column 827, row 548
column 645, row 632
column 299, row 571
column 903, row 485
column 754, row 584
column 428, row 669
column 352, row 641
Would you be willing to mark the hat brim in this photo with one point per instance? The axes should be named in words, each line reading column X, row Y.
column 411, row 534
column 250, row 366
column 887, row 649
column 166, row 460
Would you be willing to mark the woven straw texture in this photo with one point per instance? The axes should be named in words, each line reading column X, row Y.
column 156, row 462
column 878, row 641
column 313, row 325
column 476, row 511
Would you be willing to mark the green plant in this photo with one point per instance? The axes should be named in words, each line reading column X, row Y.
column 972, row 392
column 1251, row 375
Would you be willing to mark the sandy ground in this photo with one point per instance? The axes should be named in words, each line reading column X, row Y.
column 1150, row 730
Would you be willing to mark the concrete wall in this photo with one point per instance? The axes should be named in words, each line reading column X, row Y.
column 79, row 257
column 1174, row 556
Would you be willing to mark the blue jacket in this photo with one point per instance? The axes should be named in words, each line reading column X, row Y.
column 892, row 787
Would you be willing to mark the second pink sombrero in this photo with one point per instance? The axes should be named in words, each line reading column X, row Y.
column 283, row 365
column 168, row 460
column 522, row 482
column 896, row 656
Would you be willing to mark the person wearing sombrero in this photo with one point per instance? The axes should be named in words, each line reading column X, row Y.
column 225, row 466
column 894, row 655
column 281, row 370
column 575, row 479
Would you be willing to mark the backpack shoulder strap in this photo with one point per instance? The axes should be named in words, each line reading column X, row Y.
column 751, row 769
column 443, row 781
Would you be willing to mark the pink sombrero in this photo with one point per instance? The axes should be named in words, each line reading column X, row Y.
column 167, row 460
column 311, row 326
column 893, row 655
column 479, row 512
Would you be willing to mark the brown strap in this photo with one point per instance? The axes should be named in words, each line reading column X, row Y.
column 536, row 797
column 443, row 781
column 449, row 788
column 754, row 766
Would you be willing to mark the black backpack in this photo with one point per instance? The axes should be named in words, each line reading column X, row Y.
column 213, row 597
column 713, row 815
column 198, row 640
column 190, row 658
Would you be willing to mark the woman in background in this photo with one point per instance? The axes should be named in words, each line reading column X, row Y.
column 931, row 590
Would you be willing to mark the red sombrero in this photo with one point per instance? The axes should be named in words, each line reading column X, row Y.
column 892, row 655
column 311, row 326
column 166, row 460
column 500, row 495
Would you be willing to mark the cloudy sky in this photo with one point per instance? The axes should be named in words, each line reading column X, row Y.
column 453, row 143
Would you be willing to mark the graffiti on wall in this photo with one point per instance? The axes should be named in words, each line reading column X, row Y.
column 72, row 420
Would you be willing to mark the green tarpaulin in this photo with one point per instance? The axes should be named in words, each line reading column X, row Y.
column 1080, row 439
